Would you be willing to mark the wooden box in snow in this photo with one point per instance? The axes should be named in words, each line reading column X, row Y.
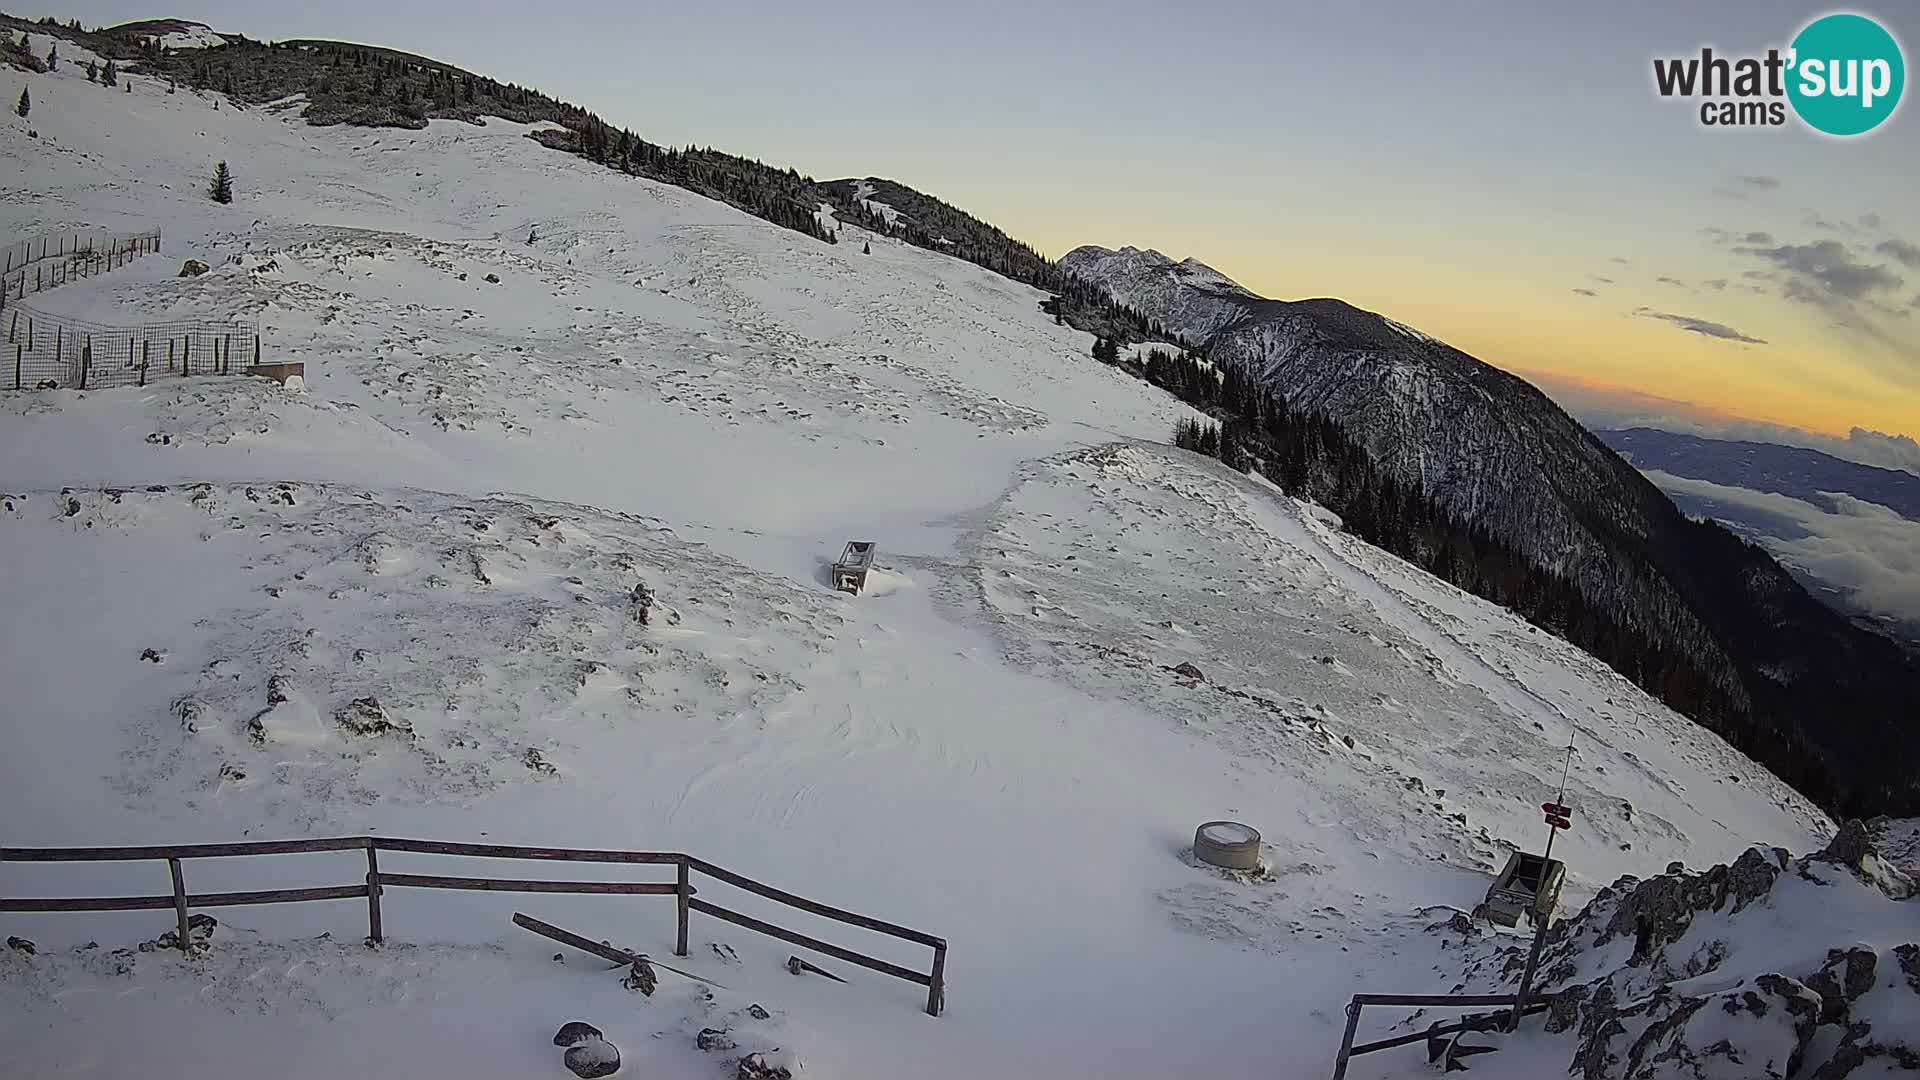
column 850, row 572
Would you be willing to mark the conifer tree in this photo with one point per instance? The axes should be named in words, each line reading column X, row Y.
column 25, row 105
column 222, row 187
column 53, row 54
column 93, row 71
column 109, row 74
column 866, row 248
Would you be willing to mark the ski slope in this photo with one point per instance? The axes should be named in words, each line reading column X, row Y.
column 450, row 517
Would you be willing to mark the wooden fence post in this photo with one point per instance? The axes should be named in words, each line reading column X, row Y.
column 684, row 893
column 16, row 365
column 256, row 350
column 373, row 893
column 169, row 354
column 228, row 368
column 937, row 989
column 1346, row 1041
column 179, row 900
column 86, row 361
column 59, row 342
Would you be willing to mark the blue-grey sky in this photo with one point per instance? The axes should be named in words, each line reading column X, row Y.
column 1499, row 174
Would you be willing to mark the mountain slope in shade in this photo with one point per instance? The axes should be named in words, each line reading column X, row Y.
column 1817, row 699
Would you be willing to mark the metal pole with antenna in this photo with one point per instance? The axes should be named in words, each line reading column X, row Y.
column 1557, row 819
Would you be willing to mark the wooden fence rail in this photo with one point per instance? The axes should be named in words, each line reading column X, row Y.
column 377, row 880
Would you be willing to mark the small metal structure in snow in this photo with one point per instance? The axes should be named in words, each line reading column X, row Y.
column 1227, row 844
column 850, row 572
column 1528, row 887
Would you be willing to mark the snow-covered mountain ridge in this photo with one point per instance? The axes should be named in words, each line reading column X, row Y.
column 1821, row 701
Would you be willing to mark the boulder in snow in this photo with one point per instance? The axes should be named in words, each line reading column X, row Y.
column 193, row 268
column 575, row 1031
column 366, row 716
column 592, row 1057
column 757, row 1067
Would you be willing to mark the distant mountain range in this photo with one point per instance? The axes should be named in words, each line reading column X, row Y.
column 1783, row 470
column 1855, row 564
column 1798, row 686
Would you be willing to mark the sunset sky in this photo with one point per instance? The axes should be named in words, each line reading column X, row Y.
column 1501, row 175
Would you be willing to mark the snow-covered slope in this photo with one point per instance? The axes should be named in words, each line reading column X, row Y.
column 399, row 602
column 1822, row 702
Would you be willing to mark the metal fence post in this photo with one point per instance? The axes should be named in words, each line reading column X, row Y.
column 179, row 900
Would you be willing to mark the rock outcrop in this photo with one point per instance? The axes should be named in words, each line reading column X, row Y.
column 1724, row 973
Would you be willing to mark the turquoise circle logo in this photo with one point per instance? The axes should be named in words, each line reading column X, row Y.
column 1847, row 74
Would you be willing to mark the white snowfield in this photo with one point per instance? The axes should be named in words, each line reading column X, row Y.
column 989, row 744
column 192, row 36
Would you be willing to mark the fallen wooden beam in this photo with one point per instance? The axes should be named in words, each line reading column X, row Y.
column 605, row 952
column 797, row 965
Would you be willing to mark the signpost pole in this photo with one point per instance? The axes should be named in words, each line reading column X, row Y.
column 1555, row 822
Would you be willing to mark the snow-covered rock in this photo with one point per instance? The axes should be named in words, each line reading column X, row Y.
column 1771, row 967
column 592, row 1058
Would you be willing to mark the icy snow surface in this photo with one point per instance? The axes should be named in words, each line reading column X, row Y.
column 397, row 601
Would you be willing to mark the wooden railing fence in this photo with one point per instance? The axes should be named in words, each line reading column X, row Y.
column 44, row 262
column 681, row 888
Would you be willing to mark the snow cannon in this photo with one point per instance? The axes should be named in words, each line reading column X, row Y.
column 1228, row 845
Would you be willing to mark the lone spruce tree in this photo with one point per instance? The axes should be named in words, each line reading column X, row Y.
column 53, row 54
column 25, row 105
column 109, row 74
column 222, row 187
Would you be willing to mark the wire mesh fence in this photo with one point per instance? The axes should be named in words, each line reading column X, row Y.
column 44, row 262
column 50, row 352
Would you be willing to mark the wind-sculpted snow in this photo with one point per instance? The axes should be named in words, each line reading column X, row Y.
column 1396, row 703
column 405, row 645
